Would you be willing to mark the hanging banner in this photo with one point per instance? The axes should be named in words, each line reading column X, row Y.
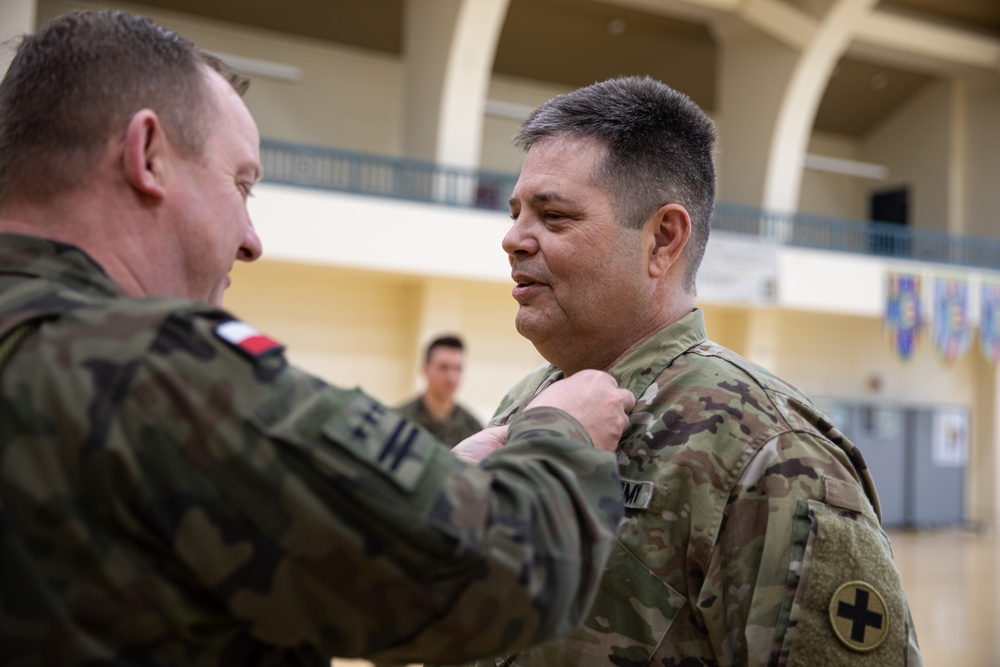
column 952, row 331
column 903, row 318
column 989, row 321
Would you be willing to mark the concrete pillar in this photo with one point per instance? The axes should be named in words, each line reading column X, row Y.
column 441, row 312
column 982, row 497
column 798, row 108
column 763, row 338
column 449, row 47
column 754, row 70
column 770, row 86
column 17, row 17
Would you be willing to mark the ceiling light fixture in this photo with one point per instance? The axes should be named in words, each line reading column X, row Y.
column 836, row 165
column 265, row 68
column 617, row 27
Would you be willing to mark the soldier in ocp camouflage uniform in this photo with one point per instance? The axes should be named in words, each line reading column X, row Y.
column 172, row 492
column 752, row 532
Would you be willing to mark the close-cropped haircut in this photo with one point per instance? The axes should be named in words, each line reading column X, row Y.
column 659, row 144
column 76, row 82
column 453, row 342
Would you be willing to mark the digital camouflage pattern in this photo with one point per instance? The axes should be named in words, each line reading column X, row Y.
column 746, row 513
column 169, row 498
column 451, row 431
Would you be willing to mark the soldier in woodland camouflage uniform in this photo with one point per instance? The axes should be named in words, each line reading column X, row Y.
column 436, row 408
column 172, row 492
column 752, row 532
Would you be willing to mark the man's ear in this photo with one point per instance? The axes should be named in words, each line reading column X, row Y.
column 669, row 229
column 144, row 154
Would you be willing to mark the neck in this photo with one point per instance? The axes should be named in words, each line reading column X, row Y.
column 109, row 229
column 604, row 354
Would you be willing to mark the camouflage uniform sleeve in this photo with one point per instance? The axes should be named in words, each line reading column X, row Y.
column 316, row 517
column 804, row 567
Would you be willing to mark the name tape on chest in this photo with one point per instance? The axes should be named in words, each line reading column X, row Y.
column 247, row 339
column 382, row 437
column 637, row 494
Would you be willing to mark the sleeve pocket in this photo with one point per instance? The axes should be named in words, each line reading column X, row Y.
column 847, row 605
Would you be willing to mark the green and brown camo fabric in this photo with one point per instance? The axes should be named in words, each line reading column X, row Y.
column 746, row 512
column 167, row 499
column 459, row 425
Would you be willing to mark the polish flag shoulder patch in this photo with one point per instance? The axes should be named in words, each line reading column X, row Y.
column 247, row 339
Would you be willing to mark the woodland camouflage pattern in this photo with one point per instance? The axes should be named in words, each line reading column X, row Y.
column 166, row 499
column 459, row 425
column 745, row 511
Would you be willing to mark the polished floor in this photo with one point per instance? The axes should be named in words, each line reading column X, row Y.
column 952, row 580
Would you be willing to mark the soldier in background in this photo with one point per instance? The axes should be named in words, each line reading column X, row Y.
column 436, row 409
column 171, row 490
column 752, row 532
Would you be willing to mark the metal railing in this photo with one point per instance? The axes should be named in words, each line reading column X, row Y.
column 345, row 171
column 857, row 236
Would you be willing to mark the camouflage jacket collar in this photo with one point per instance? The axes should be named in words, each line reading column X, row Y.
column 57, row 262
column 635, row 372
column 638, row 370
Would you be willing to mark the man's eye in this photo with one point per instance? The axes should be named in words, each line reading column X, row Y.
column 246, row 189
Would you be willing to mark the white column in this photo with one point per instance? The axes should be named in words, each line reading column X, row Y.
column 772, row 78
column 17, row 17
column 449, row 47
column 798, row 108
column 754, row 70
column 762, row 338
column 441, row 312
column 983, row 472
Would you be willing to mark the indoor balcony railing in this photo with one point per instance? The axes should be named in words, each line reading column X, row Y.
column 379, row 176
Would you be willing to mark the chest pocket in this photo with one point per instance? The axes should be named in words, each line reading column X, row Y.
column 633, row 611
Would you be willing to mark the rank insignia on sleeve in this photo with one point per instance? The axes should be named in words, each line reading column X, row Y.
column 859, row 616
column 399, row 448
column 247, row 339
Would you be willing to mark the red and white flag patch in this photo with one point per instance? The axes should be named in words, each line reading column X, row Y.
column 247, row 339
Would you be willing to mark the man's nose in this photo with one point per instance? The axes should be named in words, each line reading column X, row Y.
column 251, row 249
column 519, row 240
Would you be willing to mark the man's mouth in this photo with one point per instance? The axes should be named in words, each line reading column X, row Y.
column 525, row 286
column 525, row 280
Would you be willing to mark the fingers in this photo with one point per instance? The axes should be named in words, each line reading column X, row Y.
column 474, row 449
column 594, row 399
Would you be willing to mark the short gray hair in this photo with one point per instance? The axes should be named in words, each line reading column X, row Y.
column 660, row 147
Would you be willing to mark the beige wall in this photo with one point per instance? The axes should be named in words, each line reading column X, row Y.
column 359, row 328
column 348, row 98
column 916, row 144
column 831, row 194
column 982, row 168
column 498, row 153
column 351, row 328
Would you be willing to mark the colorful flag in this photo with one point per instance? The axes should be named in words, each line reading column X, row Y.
column 903, row 317
column 247, row 339
column 989, row 322
column 952, row 332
